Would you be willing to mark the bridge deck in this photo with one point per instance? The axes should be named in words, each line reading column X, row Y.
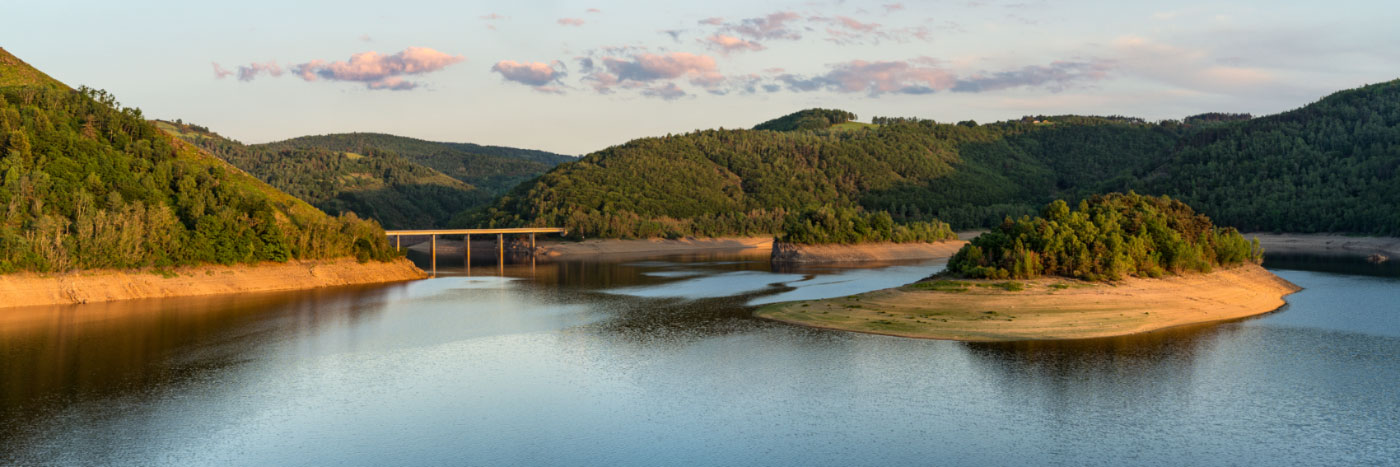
column 519, row 230
column 467, row 245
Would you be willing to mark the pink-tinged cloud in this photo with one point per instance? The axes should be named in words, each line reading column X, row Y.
column 712, row 21
column 594, row 10
column 852, row 24
column 252, row 70
column 652, row 67
column 875, row 78
column 729, row 44
column 491, row 17
column 538, row 75
column 379, row 71
column 892, row 7
column 220, row 72
column 919, row 76
column 570, row 21
column 601, row 81
column 653, row 74
column 392, row 83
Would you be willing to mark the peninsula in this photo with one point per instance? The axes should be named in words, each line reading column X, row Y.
column 1156, row 264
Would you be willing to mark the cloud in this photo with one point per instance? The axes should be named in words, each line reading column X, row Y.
column 220, row 72
column 922, row 76
column 252, row 70
column 650, row 74
column 1055, row 77
column 892, row 7
column 538, row 75
column 392, row 83
column 669, row 91
column 1195, row 69
column 848, row 30
column 491, row 17
column 594, row 10
column 774, row 26
column 727, row 44
column 570, row 21
column 852, row 24
column 365, row 37
column 652, row 67
column 875, row 78
column 378, row 71
column 674, row 33
column 711, row 21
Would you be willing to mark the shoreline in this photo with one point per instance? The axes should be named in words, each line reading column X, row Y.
column 1045, row 308
column 863, row 252
column 1327, row 244
column 79, row 287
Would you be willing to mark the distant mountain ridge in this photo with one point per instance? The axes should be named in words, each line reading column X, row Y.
column 376, row 184
column 492, row 168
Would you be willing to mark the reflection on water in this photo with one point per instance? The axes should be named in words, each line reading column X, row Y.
column 660, row 361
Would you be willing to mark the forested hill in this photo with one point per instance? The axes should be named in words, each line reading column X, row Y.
column 90, row 184
column 374, row 184
column 1330, row 166
column 492, row 168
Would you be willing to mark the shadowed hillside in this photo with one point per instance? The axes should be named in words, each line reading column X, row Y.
column 375, row 184
column 491, row 168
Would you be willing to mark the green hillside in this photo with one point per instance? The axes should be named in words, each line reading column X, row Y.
column 90, row 184
column 491, row 168
column 1328, row 167
column 374, row 184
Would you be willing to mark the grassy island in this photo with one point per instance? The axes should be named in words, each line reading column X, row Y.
column 1118, row 264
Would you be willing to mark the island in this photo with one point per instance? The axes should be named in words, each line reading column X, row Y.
column 1118, row 264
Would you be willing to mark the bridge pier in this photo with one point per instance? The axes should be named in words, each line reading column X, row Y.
column 467, row 242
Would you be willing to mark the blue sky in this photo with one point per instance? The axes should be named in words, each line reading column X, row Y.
column 574, row 77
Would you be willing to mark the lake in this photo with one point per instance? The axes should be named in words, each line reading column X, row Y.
column 658, row 361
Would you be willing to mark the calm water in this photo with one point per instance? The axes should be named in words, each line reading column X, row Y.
column 657, row 362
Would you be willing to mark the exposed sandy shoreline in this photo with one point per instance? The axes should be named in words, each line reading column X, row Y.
column 1328, row 244
column 1048, row 308
column 28, row 289
column 790, row 253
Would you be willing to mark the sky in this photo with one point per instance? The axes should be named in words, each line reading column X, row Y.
column 576, row 77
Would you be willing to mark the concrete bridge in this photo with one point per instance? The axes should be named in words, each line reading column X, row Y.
column 466, row 234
